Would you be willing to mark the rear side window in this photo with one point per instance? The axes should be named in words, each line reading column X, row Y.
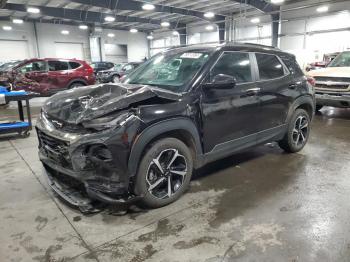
column 58, row 65
column 74, row 65
column 234, row 64
column 292, row 65
column 269, row 66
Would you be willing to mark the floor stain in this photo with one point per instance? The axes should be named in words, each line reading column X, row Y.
column 195, row 242
column 163, row 229
column 42, row 222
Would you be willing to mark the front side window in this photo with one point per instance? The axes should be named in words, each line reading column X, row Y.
column 234, row 64
column 128, row 68
column 342, row 60
column 171, row 71
column 269, row 66
column 57, row 65
column 38, row 66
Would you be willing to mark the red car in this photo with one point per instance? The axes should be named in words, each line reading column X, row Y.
column 49, row 75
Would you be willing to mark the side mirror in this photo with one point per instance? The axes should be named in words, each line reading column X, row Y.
column 222, row 81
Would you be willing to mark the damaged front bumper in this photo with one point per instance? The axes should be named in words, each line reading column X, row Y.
column 84, row 169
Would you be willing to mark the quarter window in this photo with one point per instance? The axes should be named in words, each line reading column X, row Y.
column 58, row 65
column 234, row 64
column 74, row 65
column 269, row 67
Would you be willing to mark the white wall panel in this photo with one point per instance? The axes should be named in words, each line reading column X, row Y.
column 69, row 50
column 13, row 50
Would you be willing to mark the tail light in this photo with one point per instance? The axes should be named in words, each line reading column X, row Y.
column 311, row 81
column 89, row 70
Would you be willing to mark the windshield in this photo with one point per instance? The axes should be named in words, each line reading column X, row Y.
column 9, row 65
column 170, row 71
column 342, row 60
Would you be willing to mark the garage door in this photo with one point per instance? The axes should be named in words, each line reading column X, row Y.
column 13, row 50
column 69, row 50
column 116, row 53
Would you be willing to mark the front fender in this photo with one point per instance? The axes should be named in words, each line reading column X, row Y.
column 155, row 130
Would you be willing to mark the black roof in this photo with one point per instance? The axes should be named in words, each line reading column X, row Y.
column 230, row 46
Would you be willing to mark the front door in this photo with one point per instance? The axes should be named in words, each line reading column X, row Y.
column 229, row 121
column 32, row 76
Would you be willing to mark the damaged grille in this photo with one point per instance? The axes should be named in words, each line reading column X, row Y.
column 333, row 83
column 54, row 149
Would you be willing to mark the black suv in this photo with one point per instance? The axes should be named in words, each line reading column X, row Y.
column 141, row 139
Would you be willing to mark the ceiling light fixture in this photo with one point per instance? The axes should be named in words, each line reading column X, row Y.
column 277, row 1
column 209, row 14
column 65, row 32
column 7, row 28
column 148, row 7
column 209, row 27
column 109, row 19
column 17, row 21
column 33, row 10
column 133, row 30
column 175, row 33
column 165, row 24
column 255, row 20
column 150, row 37
column 111, row 35
column 322, row 9
column 83, row 27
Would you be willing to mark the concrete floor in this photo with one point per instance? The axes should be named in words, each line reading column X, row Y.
column 261, row 205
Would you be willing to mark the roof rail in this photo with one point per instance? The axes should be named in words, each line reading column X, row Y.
column 259, row 45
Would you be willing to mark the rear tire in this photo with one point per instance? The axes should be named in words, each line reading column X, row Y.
column 298, row 132
column 164, row 173
column 76, row 84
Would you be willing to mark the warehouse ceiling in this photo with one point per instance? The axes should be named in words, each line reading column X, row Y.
column 129, row 14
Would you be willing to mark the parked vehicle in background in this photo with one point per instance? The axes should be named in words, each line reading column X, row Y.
column 49, row 75
column 327, row 58
column 99, row 66
column 183, row 108
column 333, row 82
column 114, row 75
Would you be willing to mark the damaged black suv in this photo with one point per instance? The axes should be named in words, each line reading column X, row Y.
column 141, row 139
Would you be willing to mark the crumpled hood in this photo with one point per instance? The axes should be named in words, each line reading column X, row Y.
column 89, row 102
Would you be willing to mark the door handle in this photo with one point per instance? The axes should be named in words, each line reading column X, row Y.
column 293, row 86
column 252, row 91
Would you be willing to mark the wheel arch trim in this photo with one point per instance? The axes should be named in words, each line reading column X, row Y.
column 302, row 100
column 156, row 130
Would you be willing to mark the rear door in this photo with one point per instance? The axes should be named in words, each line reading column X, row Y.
column 275, row 84
column 58, row 74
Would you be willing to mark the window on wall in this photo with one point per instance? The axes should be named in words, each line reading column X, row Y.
column 234, row 64
column 58, row 65
column 269, row 66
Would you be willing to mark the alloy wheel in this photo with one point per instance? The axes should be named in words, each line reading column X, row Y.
column 166, row 173
column 300, row 131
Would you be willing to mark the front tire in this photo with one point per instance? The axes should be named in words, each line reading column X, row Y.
column 164, row 172
column 298, row 132
column 116, row 79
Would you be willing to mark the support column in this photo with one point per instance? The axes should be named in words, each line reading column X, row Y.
column 183, row 36
column 275, row 28
column 222, row 29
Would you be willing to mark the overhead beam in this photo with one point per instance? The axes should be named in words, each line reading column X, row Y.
column 261, row 5
column 133, row 5
column 86, row 16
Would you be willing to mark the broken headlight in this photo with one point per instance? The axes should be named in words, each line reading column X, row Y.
column 108, row 122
